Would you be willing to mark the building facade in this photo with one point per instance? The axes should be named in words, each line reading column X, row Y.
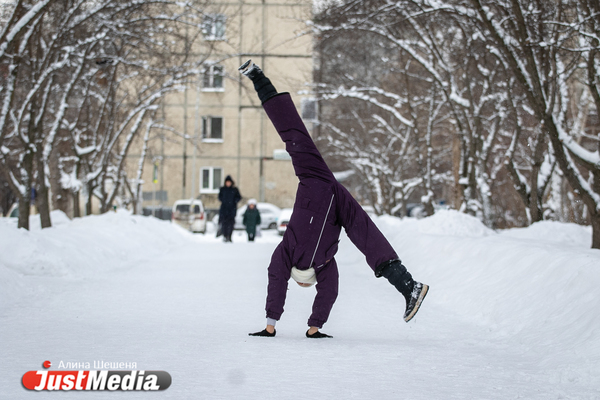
column 218, row 125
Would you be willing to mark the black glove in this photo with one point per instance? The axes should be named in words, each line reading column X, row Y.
column 264, row 332
column 262, row 84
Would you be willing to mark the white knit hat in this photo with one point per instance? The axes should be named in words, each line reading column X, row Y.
column 304, row 276
column 252, row 201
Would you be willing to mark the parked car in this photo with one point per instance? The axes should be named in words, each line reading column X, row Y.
column 13, row 211
column 164, row 213
column 12, row 216
column 268, row 216
column 283, row 220
column 189, row 217
column 418, row 211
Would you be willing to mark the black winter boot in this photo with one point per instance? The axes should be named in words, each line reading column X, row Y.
column 262, row 84
column 416, row 298
column 398, row 276
column 263, row 333
column 317, row 335
column 413, row 292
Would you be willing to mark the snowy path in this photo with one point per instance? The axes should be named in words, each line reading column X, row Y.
column 188, row 311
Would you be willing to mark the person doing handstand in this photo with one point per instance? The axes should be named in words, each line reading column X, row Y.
column 321, row 209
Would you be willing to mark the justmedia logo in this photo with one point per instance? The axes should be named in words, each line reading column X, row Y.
column 96, row 380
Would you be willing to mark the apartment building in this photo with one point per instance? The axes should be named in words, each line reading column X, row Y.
column 219, row 127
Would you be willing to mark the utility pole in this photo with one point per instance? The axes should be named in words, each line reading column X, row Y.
column 185, row 118
column 195, row 137
column 261, row 183
column 162, row 171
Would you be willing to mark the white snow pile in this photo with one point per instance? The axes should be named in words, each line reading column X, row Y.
column 552, row 231
column 442, row 223
column 72, row 248
column 57, row 217
column 512, row 314
column 77, row 248
column 540, row 277
column 453, row 223
column 537, row 284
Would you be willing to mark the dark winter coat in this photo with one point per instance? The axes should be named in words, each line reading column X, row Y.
column 229, row 197
column 251, row 219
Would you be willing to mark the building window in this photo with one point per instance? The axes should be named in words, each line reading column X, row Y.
column 308, row 107
column 214, row 27
column 160, row 196
column 213, row 78
column 212, row 129
column 211, row 179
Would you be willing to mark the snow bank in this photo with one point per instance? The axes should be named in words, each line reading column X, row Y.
column 552, row 231
column 73, row 249
column 535, row 284
column 57, row 218
column 509, row 315
column 453, row 223
column 442, row 223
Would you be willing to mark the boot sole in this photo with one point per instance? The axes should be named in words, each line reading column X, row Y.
column 418, row 305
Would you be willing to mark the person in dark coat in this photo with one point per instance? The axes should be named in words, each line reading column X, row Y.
column 322, row 207
column 229, row 196
column 251, row 219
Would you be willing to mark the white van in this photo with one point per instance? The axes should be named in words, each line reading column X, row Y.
column 189, row 217
column 284, row 220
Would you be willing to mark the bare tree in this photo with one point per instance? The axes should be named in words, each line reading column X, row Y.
column 515, row 75
column 81, row 78
column 381, row 113
column 448, row 57
column 541, row 44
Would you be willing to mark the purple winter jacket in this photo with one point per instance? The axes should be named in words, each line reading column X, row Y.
column 307, row 234
column 322, row 207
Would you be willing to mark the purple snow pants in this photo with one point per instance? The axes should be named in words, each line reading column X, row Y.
column 322, row 207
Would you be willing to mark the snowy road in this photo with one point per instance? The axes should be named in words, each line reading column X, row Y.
column 187, row 308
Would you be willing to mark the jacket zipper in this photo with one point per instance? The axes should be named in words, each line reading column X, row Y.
column 322, row 229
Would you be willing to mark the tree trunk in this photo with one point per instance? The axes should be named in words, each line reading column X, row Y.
column 76, row 205
column 534, row 205
column 42, row 203
column 595, row 212
column 42, row 200
column 428, row 207
column 458, row 188
column 75, row 193
column 104, row 197
column 595, row 218
column 88, row 204
column 25, row 198
column 24, row 205
column 536, row 195
column 570, row 173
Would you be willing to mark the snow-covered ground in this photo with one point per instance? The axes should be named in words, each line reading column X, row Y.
column 514, row 314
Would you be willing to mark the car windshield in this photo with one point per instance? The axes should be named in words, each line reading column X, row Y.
column 185, row 208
